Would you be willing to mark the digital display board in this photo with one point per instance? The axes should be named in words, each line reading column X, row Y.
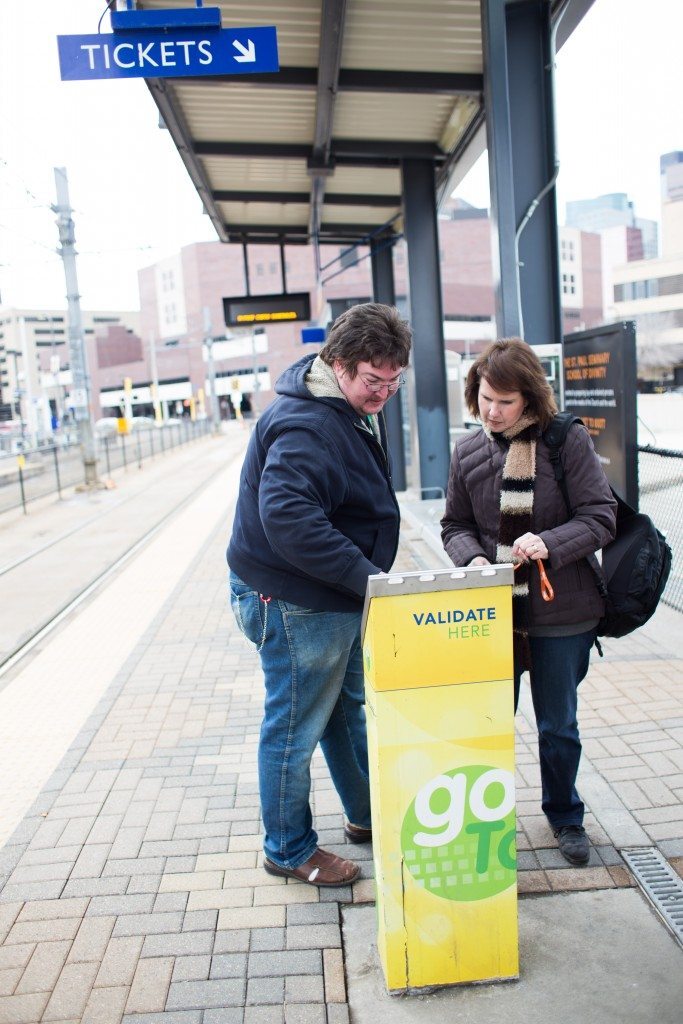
column 244, row 310
column 600, row 387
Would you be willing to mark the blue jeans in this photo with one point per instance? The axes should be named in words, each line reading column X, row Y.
column 558, row 664
column 313, row 668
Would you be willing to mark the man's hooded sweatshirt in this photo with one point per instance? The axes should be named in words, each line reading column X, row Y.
column 316, row 513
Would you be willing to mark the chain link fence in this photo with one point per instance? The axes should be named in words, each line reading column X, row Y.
column 660, row 478
column 54, row 468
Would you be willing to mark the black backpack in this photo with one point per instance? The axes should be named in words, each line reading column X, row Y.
column 635, row 565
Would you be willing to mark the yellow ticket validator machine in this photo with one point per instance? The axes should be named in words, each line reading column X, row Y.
column 437, row 651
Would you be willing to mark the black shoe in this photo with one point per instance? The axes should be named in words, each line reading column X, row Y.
column 357, row 834
column 573, row 843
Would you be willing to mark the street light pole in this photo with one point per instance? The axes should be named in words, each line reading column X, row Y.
column 255, row 401
column 158, row 415
column 211, row 367
column 30, row 411
column 17, row 396
column 80, row 394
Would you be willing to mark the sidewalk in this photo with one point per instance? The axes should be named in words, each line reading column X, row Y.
column 132, row 889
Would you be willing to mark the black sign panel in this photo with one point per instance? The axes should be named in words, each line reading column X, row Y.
column 600, row 387
column 244, row 310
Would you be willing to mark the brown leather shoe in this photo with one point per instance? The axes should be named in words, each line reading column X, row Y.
column 323, row 868
column 356, row 833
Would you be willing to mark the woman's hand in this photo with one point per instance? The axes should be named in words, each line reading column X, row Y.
column 529, row 547
column 479, row 560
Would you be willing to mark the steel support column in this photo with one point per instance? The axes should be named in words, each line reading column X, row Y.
column 421, row 234
column 383, row 290
column 518, row 89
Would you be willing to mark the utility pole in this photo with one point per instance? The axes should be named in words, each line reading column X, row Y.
column 28, row 391
column 17, row 396
column 158, row 415
column 80, row 392
column 211, row 367
column 255, row 401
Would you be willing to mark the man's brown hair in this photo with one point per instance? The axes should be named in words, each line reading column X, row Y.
column 368, row 333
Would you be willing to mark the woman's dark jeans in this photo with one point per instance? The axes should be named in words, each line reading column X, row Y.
column 558, row 664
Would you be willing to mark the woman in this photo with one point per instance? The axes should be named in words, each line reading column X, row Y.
column 504, row 505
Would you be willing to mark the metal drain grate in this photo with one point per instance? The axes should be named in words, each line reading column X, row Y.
column 661, row 885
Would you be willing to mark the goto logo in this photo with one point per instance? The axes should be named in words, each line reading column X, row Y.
column 458, row 835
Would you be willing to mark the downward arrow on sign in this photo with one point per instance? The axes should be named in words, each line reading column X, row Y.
column 248, row 52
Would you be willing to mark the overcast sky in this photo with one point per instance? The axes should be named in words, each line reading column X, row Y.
column 619, row 88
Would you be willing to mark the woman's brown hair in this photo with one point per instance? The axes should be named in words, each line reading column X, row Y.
column 511, row 365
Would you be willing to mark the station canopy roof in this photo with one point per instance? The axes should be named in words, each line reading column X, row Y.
column 315, row 150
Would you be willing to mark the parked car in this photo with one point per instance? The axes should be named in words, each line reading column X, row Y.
column 141, row 423
column 108, row 426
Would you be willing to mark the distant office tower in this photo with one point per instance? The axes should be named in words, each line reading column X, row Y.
column 613, row 210
column 651, row 291
column 671, row 172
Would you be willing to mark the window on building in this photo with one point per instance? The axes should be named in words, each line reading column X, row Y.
column 648, row 289
column 568, row 284
column 260, row 270
column 670, row 285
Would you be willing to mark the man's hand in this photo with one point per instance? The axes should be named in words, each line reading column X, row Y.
column 479, row 560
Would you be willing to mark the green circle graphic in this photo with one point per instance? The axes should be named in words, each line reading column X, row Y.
column 480, row 861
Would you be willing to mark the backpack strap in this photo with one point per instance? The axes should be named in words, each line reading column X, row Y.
column 554, row 437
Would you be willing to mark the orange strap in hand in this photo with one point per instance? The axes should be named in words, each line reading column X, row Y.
column 547, row 592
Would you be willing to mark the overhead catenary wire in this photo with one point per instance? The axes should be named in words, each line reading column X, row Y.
column 108, row 7
column 19, row 181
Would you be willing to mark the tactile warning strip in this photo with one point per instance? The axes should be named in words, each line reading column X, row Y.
column 661, row 885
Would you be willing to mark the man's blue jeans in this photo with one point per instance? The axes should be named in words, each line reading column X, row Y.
column 313, row 668
column 558, row 664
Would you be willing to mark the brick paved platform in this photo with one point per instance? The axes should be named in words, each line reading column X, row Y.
column 132, row 890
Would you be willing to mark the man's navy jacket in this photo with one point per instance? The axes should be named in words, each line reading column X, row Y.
column 316, row 513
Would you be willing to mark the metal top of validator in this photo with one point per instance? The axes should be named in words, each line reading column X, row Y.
column 426, row 581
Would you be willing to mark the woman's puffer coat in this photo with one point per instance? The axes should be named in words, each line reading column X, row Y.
column 472, row 517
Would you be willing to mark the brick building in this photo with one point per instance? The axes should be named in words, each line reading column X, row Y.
column 181, row 303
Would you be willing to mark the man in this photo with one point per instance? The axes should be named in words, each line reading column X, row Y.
column 316, row 515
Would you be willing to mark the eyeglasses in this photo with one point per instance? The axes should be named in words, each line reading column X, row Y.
column 375, row 386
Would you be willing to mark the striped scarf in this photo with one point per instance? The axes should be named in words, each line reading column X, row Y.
column 516, row 506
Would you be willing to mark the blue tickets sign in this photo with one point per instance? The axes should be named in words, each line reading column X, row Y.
column 175, row 54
